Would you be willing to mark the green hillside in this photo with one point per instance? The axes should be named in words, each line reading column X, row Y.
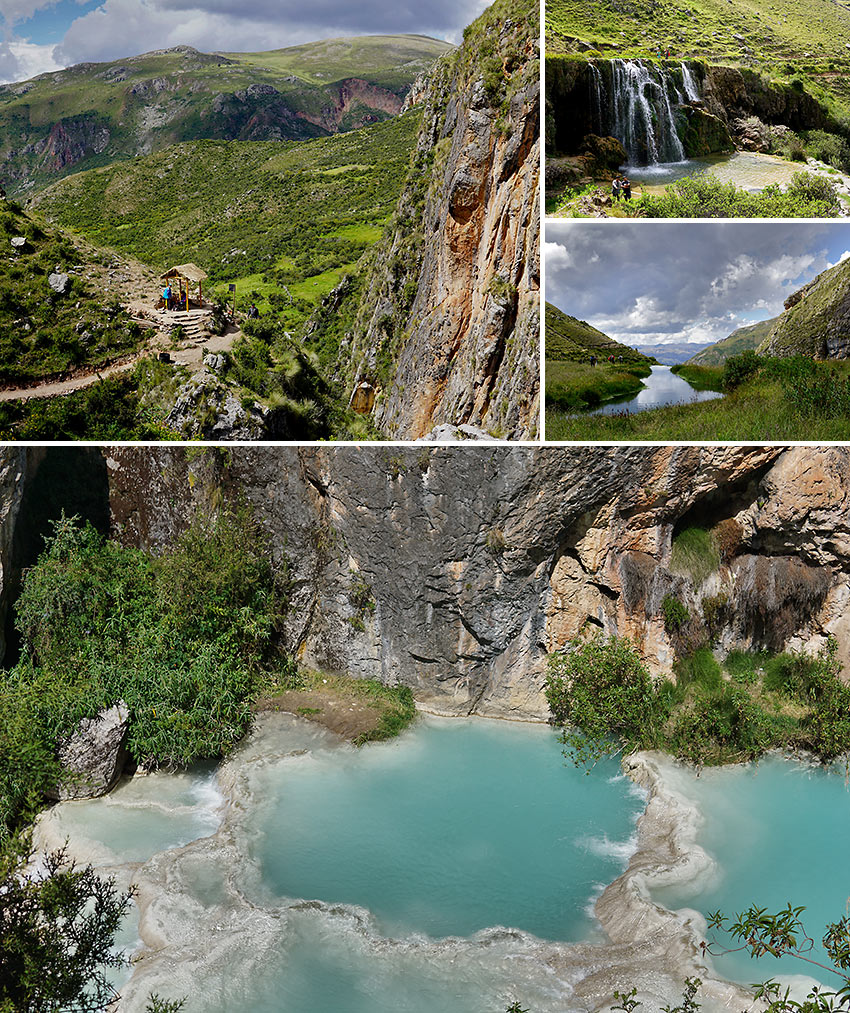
column 569, row 339
column 572, row 384
column 749, row 337
column 816, row 322
column 390, row 61
column 47, row 333
column 94, row 114
column 281, row 220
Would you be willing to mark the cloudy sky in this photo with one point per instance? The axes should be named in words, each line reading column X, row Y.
column 41, row 35
column 646, row 283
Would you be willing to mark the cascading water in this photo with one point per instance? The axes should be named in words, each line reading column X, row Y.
column 690, row 82
column 638, row 109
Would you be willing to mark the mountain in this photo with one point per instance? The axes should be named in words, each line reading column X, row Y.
column 816, row 321
column 576, row 340
column 94, row 114
column 673, row 353
column 741, row 340
column 441, row 322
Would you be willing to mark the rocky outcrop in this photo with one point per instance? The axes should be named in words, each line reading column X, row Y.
column 445, row 322
column 816, row 321
column 93, row 757
column 13, row 477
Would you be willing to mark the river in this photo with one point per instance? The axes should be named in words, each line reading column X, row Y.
column 661, row 388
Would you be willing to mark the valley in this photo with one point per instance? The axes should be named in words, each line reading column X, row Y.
column 278, row 192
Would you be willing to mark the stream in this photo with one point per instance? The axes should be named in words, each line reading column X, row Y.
column 661, row 388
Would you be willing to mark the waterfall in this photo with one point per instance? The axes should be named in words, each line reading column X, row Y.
column 638, row 109
column 691, row 86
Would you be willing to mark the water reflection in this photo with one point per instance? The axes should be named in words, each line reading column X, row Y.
column 662, row 388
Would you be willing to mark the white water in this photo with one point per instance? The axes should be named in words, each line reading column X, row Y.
column 691, row 86
column 640, row 111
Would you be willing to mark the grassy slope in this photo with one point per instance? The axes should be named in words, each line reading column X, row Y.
column 247, row 212
column 44, row 334
column 803, row 327
column 571, row 382
column 756, row 411
column 737, row 342
column 386, row 60
column 141, row 117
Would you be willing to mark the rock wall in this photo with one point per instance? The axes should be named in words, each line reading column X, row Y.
column 455, row 571
column 816, row 321
column 447, row 324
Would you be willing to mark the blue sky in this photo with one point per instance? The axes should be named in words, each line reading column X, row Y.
column 43, row 35
column 671, row 282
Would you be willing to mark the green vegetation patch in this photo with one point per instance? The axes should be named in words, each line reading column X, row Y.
column 42, row 333
column 602, row 696
column 694, row 553
column 806, row 196
column 782, row 399
column 185, row 638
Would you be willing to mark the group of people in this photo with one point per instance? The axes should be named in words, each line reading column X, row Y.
column 172, row 299
column 621, row 187
column 594, row 359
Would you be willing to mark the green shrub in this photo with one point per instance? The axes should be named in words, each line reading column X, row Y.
column 806, row 196
column 601, row 693
column 700, row 669
column 675, row 613
column 184, row 639
column 830, row 148
column 739, row 368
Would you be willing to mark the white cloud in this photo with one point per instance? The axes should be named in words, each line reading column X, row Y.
column 556, row 256
column 22, row 60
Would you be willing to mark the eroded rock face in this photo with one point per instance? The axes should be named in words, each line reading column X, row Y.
column 449, row 329
column 93, row 757
column 477, row 561
column 816, row 321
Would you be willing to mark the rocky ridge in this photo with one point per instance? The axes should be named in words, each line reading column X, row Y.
column 479, row 561
column 447, row 330
column 816, row 321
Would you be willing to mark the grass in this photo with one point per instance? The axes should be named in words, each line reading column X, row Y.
column 694, row 553
column 574, row 386
column 363, row 710
column 762, row 409
column 700, row 377
column 738, row 341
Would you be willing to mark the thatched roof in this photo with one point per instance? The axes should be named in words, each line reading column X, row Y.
column 190, row 271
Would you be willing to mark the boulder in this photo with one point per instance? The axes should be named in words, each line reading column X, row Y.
column 93, row 757
column 60, row 283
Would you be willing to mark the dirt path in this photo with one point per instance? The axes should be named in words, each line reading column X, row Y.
column 135, row 286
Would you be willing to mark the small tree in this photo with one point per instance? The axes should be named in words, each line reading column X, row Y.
column 56, row 931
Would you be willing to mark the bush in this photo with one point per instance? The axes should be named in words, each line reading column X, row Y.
column 829, row 148
column 184, row 639
column 739, row 368
column 806, row 196
column 601, row 693
column 675, row 613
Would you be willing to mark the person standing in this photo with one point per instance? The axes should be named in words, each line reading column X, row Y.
column 627, row 188
column 615, row 190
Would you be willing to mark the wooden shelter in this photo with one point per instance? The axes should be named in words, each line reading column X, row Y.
column 183, row 276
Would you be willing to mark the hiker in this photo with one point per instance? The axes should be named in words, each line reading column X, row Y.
column 253, row 312
column 166, row 296
column 593, row 360
column 615, row 191
column 627, row 188
column 667, row 55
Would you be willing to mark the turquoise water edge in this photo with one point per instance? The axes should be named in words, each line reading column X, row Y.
column 450, row 869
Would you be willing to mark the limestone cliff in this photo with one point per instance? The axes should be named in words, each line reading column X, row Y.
column 443, row 323
column 456, row 571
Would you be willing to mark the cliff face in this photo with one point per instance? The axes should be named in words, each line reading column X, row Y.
column 816, row 321
column 447, row 327
column 456, row 571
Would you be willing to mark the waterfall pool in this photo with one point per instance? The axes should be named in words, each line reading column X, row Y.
column 438, row 871
column 661, row 388
column 749, row 170
column 778, row 833
column 455, row 868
